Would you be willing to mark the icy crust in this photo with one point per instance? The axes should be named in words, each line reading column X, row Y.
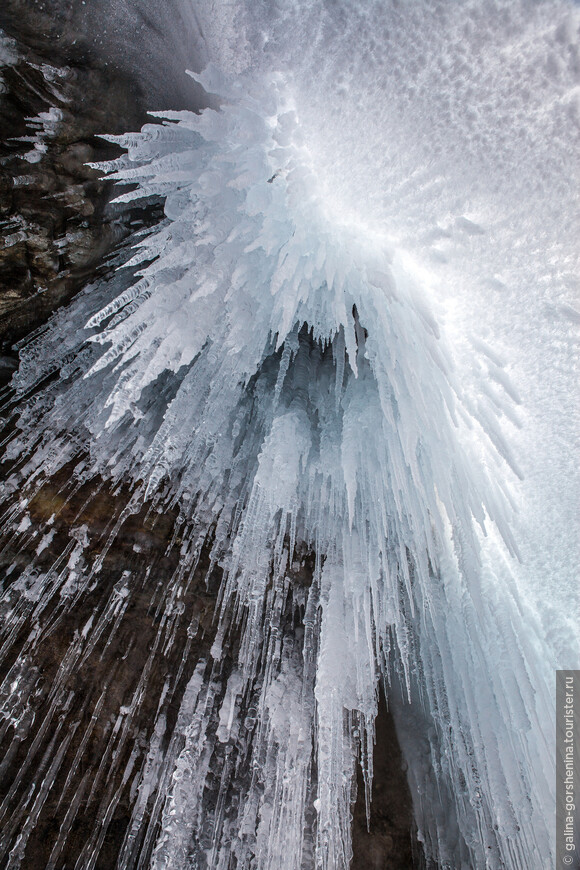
column 275, row 371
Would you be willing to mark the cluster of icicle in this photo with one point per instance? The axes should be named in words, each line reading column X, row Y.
column 275, row 373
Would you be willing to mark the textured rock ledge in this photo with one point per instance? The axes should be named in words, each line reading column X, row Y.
column 56, row 222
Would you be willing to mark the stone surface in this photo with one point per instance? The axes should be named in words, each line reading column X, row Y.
column 56, row 222
column 390, row 842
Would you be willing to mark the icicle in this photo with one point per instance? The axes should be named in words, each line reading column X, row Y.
column 277, row 374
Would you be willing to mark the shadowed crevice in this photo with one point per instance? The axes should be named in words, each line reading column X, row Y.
column 390, row 842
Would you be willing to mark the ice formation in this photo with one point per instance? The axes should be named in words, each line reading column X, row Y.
column 275, row 362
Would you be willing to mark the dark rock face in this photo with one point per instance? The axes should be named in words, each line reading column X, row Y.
column 389, row 843
column 143, row 40
column 89, row 732
column 56, row 223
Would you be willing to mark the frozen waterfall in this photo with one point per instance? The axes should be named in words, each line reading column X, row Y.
column 343, row 363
